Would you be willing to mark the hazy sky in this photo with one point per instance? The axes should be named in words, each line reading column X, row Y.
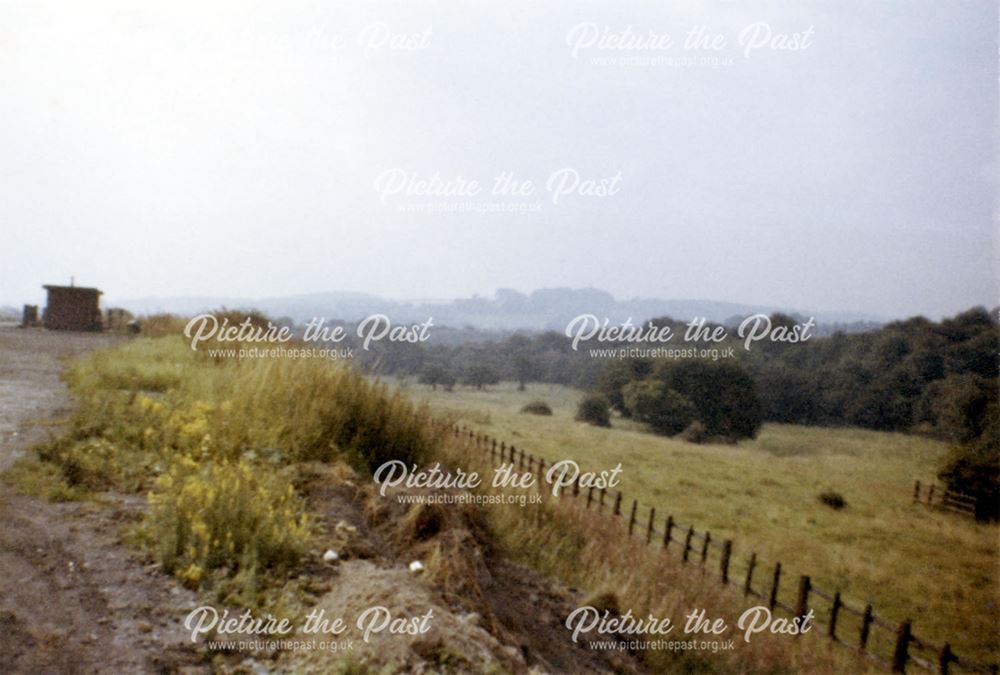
column 253, row 149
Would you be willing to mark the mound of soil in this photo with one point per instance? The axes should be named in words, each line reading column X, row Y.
column 489, row 615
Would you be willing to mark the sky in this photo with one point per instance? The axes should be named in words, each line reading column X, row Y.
column 812, row 155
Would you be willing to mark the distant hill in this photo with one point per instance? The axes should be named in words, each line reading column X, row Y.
column 507, row 310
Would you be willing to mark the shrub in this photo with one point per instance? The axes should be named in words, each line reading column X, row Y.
column 215, row 515
column 668, row 396
column 695, row 433
column 959, row 404
column 662, row 408
column 974, row 469
column 537, row 408
column 594, row 409
column 834, row 500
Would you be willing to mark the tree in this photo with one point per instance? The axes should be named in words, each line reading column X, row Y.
column 612, row 380
column 786, row 394
column 723, row 394
column 480, row 376
column 435, row 375
column 524, row 368
column 662, row 408
column 959, row 406
column 594, row 409
column 974, row 468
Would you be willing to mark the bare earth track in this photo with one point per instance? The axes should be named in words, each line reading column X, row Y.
column 72, row 599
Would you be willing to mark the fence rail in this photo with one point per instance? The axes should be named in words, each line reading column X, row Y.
column 936, row 496
column 869, row 634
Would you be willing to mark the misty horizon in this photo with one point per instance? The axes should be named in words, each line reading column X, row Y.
column 505, row 309
column 412, row 152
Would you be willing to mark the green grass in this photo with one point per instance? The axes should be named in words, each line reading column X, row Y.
column 44, row 481
column 937, row 569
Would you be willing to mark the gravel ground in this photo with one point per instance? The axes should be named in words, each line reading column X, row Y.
column 72, row 598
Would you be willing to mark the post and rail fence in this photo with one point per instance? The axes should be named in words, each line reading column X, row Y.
column 939, row 497
column 890, row 644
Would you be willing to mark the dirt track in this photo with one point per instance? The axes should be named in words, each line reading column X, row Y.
column 72, row 599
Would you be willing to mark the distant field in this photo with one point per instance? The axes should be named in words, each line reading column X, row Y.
column 939, row 570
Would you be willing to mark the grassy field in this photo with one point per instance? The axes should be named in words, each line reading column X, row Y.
column 202, row 435
column 940, row 570
column 238, row 457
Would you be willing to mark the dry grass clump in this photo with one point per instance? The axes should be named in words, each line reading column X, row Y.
column 454, row 643
column 160, row 325
column 603, row 601
column 319, row 411
column 452, row 541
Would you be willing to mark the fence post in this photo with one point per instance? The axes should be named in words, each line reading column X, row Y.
column 773, row 600
column 916, row 492
column 727, row 550
column 649, row 528
column 753, row 563
column 834, row 611
column 901, row 654
column 866, row 626
column 667, row 532
column 576, row 486
column 944, row 659
column 930, row 495
column 520, row 465
column 704, row 548
column 590, row 495
column 600, row 503
column 802, row 604
column 541, row 473
column 503, row 449
column 631, row 520
column 687, row 543
column 493, row 451
column 618, row 504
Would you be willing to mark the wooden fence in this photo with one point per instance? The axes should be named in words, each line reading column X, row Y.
column 855, row 627
column 936, row 496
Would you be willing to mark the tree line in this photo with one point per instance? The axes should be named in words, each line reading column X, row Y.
column 931, row 377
